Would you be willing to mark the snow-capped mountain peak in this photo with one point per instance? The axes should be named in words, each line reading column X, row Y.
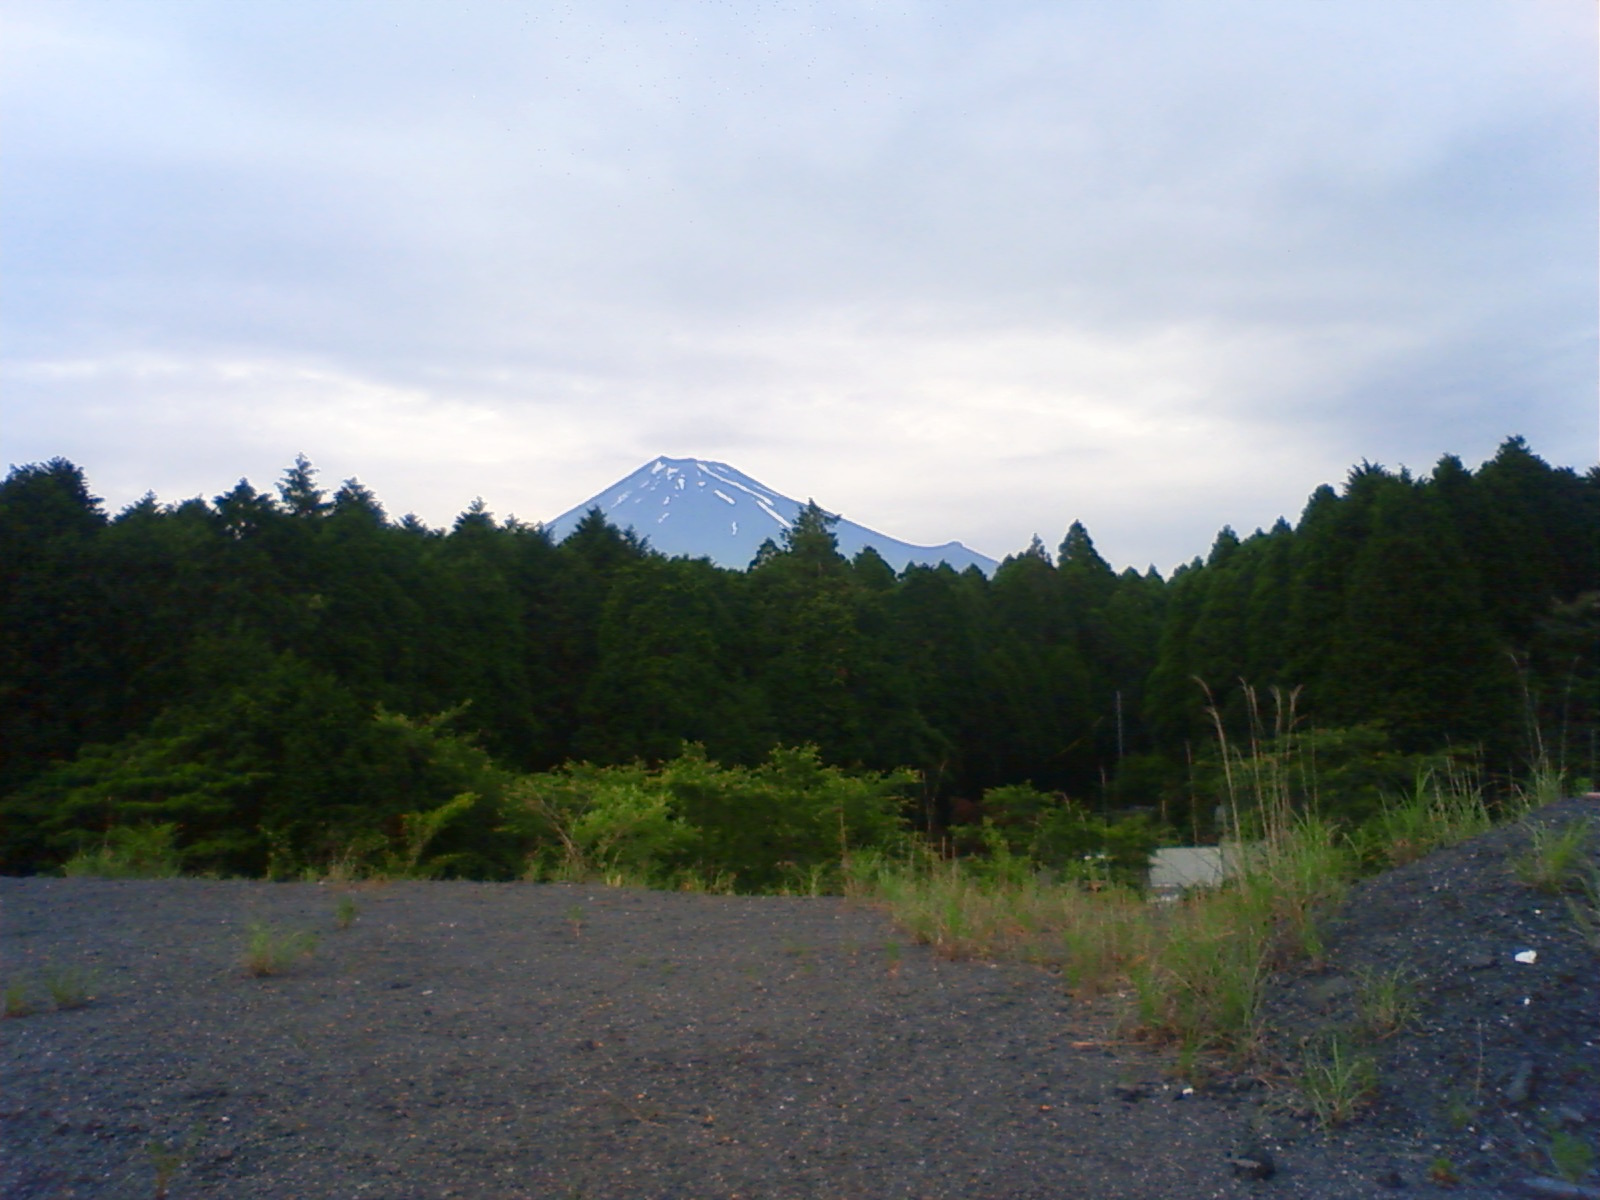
column 706, row 509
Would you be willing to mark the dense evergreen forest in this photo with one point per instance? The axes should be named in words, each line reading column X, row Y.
column 275, row 674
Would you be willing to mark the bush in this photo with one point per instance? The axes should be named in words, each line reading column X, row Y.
column 789, row 822
column 129, row 852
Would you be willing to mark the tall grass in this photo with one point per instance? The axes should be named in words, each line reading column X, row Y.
column 1444, row 806
column 963, row 911
column 1197, row 968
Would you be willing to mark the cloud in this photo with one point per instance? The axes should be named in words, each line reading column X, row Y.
column 957, row 270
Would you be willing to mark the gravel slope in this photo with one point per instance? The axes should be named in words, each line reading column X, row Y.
column 514, row 1040
column 1502, row 1055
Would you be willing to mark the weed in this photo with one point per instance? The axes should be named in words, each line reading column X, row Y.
column 1443, row 1172
column 891, row 952
column 69, row 987
column 1459, row 1112
column 1585, row 907
column 575, row 917
column 1570, row 1155
column 270, row 951
column 345, row 912
column 1337, row 1082
column 1556, row 858
column 1545, row 785
column 16, row 999
column 1386, row 1001
column 166, row 1159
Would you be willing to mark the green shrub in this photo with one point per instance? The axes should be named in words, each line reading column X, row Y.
column 790, row 823
column 129, row 852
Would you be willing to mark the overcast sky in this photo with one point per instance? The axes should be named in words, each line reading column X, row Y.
column 957, row 270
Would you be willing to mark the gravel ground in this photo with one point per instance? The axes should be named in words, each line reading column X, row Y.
column 517, row 1040
column 1501, row 1058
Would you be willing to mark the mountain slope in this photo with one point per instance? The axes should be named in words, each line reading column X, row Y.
column 702, row 509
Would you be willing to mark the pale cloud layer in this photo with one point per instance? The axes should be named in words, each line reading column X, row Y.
column 959, row 271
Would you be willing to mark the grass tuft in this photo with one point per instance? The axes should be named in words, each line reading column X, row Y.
column 16, row 1000
column 1443, row 807
column 1386, row 1001
column 1556, row 858
column 69, row 987
column 270, row 951
column 346, row 911
column 1337, row 1082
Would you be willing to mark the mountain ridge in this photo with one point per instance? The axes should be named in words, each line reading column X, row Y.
column 701, row 508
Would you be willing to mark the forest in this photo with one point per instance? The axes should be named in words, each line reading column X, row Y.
column 269, row 683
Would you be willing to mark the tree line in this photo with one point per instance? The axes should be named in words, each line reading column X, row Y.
column 280, row 673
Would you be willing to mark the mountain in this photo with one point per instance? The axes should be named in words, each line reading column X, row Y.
column 689, row 506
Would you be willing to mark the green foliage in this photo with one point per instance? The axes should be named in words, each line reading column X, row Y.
column 787, row 814
column 765, row 826
column 129, row 852
column 1026, row 830
column 267, row 781
column 600, row 822
column 230, row 668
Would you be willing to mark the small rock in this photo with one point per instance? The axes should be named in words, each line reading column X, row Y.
column 1253, row 1163
column 1332, row 991
column 1389, row 1179
column 1520, row 1088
